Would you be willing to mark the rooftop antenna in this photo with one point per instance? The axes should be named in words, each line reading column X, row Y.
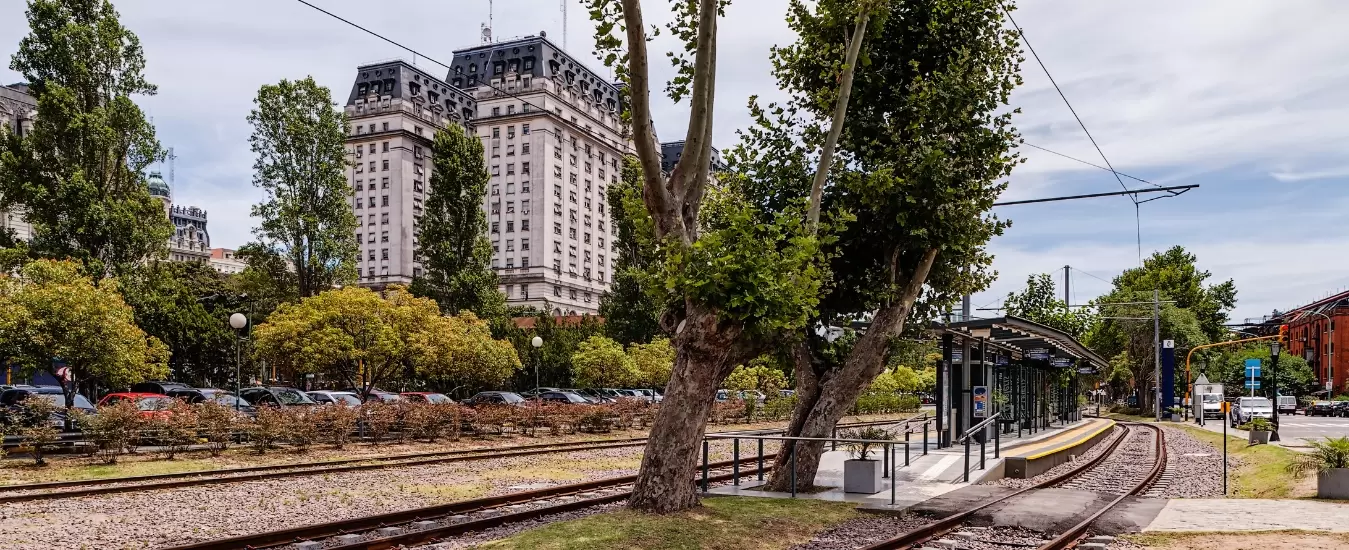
column 172, row 157
column 487, row 29
column 563, row 4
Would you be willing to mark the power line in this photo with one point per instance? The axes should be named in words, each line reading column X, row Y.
column 1091, row 164
column 1090, row 275
column 1174, row 190
column 1022, row 34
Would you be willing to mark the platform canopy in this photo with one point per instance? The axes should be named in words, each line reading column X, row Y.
column 1024, row 338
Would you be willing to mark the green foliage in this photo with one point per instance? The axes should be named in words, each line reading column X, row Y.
column 759, row 377
column 864, row 446
column 1176, row 273
column 560, row 342
column 882, row 403
column 1227, row 366
column 898, row 379
column 1330, row 453
column 301, row 167
column 600, row 362
column 632, row 306
column 363, row 339
column 1037, row 303
column 1257, row 424
column 653, row 362
column 452, row 238
column 79, row 175
column 50, row 309
column 37, row 431
column 186, row 305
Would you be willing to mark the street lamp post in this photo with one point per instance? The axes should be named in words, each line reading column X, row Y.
column 1274, row 386
column 537, row 342
column 238, row 321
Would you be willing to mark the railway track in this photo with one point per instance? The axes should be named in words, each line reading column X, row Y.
column 422, row 525
column 126, row 484
column 1121, row 472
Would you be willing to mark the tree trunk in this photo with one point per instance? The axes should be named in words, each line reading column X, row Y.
column 829, row 395
column 707, row 352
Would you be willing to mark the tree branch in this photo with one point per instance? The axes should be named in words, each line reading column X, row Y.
column 692, row 170
column 655, row 195
column 840, row 112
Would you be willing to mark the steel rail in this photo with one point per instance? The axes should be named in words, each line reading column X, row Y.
column 950, row 523
column 283, row 537
column 1069, row 538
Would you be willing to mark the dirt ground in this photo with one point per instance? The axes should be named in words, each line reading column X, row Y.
column 1282, row 540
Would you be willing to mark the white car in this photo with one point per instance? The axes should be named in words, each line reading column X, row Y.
column 324, row 397
column 1247, row 408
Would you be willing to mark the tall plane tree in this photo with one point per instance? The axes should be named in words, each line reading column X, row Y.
column 920, row 164
column 453, row 237
column 79, row 175
column 305, row 219
column 733, row 276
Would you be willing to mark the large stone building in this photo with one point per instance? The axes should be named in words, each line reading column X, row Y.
column 190, row 241
column 553, row 143
column 17, row 111
column 227, row 261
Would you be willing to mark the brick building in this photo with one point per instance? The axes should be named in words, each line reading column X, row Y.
column 1312, row 334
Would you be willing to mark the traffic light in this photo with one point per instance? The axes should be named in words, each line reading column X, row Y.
column 1283, row 336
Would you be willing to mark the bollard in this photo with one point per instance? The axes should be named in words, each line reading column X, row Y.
column 885, row 463
column 997, row 443
column 924, row 438
column 735, row 460
column 761, row 459
column 906, row 449
column 704, row 465
column 983, row 443
column 967, row 461
column 892, row 477
column 793, row 471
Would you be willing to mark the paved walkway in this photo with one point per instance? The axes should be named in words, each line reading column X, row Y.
column 1248, row 514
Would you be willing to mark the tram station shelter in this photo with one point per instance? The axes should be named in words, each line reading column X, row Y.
column 1022, row 371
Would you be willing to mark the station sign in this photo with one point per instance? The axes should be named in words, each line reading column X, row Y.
column 1039, row 354
column 980, row 394
column 1061, row 362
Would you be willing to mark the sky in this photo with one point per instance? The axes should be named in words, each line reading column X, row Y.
column 1243, row 98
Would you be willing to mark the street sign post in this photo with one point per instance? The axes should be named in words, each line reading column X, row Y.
column 1253, row 375
column 1226, row 407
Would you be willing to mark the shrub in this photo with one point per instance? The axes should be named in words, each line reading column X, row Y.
column 175, row 427
column 216, row 422
column 593, row 418
column 38, row 432
column 493, row 418
column 380, row 419
column 779, row 408
column 426, row 420
column 1325, row 455
column 267, row 428
column 863, row 450
column 1257, row 424
column 338, row 422
column 300, row 429
column 113, row 429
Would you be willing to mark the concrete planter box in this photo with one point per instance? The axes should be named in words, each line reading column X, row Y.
column 1177, row 418
column 1333, row 483
column 862, row 476
column 1258, row 437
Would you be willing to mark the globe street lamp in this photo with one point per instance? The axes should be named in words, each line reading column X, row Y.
column 237, row 321
column 537, row 342
column 1274, row 386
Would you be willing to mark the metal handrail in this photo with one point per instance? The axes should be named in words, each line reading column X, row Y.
column 970, row 432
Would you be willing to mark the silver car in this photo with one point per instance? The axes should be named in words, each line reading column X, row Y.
column 1247, row 408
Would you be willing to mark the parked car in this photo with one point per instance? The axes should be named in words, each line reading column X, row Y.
column 162, row 388
column 753, row 394
column 786, row 393
column 1287, row 405
column 561, row 397
column 276, row 396
column 651, row 396
column 325, row 397
column 1341, row 408
column 531, row 393
column 1321, row 408
column 1247, row 408
column 426, row 397
column 376, row 393
column 150, row 405
column 11, row 400
column 495, row 398
column 223, row 397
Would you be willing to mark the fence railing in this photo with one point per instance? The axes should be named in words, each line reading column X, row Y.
column 981, row 429
column 891, row 460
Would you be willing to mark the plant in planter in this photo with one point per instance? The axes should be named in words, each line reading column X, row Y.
column 1259, row 429
column 862, row 474
column 1330, row 460
column 1177, row 413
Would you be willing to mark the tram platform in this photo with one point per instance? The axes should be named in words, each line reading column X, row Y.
column 937, row 472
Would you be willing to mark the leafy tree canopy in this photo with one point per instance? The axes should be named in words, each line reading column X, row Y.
column 453, row 243
column 652, row 362
column 601, row 362
column 1037, row 302
column 51, row 311
column 79, row 175
column 187, row 305
column 759, row 377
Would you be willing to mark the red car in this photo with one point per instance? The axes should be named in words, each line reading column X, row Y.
column 426, row 397
column 150, row 404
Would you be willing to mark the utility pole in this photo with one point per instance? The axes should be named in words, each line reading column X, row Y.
column 1065, row 285
column 1157, row 351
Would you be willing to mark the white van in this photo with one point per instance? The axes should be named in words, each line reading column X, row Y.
column 1287, row 405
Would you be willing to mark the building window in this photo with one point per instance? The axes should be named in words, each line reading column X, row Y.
column 524, row 168
column 557, row 228
column 510, row 110
column 384, row 219
column 557, row 291
column 510, row 226
column 496, row 170
column 358, row 202
column 384, row 183
column 557, row 247
column 386, row 145
column 510, row 168
column 524, row 129
column 384, row 254
column 510, row 245
column 386, row 165
column 524, row 187
column 587, row 237
column 524, row 206
column 371, row 255
column 524, row 244
column 496, row 190
column 510, row 130
column 384, row 201
column 496, row 208
column 496, row 227
column 571, row 293
column 372, row 219
column 383, row 237
column 572, row 232
column 496, row 151
column 510, row 150
column 510, row 207
column 386, row 128
column 524, row 225
column 524, row 148
column 417, row 130
column 496, row 111
column 524, row 262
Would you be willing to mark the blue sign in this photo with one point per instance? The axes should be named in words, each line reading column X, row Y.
column 1252, row 367
column 1253, row 384
column 1038, row 354
column 1061, row 362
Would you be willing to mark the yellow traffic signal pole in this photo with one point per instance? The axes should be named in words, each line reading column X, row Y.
column 1189, row 384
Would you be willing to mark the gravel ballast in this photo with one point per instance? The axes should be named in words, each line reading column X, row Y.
column 1195, row 467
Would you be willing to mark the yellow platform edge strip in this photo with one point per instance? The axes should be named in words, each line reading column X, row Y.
column 1108, row 425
